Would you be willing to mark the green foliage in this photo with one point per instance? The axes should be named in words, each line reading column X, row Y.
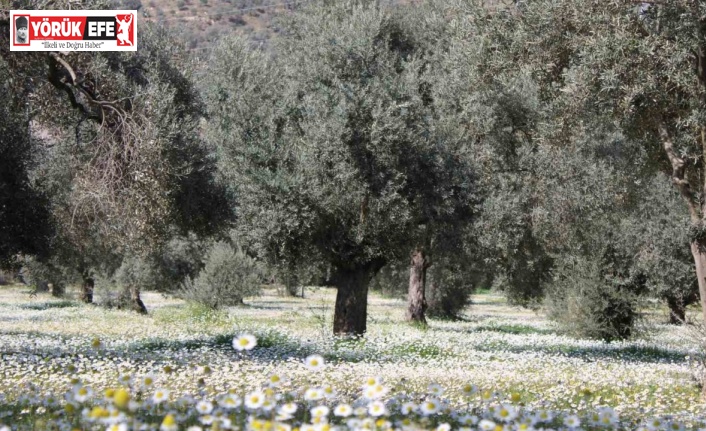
column 450, row 283
column 228, row 276
column 39, row 272
column 180, row 258
column 331, row 147
column 25, row 224
column 137, row 271
column 589, row 298
column 392, row 280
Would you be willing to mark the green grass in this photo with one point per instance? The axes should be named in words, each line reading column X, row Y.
column 416, row 349
column 514, row 329
column 41, row 306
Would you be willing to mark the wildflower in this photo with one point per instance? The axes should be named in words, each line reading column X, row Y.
column 469, row 389
column 468, row 420
column 314, row 362
column 275, row 380
column 116, row 427
column 408, row 408
column 148, row 381
column 121, row 397
column 376, row 408
column 608, row 416
column 572, row 421
column 255, row 400
column 194, row 428
column 288, row 409
column 329, row 392
column 486, row 425
column 125, row 379
column 372, row 381
column 430, row 407
column 160, row 395
column 82, row 393
column 654, row 424
column 506, row 413
column 443, row 427
column 168, row 424
column 319, row 411
column 204, row 407
column 487, row 395
column 244, row 342
column 435, row 389
column 343, row 410
column 96, row 343
column 229, row 401
column 313, row 394
column 543, row 416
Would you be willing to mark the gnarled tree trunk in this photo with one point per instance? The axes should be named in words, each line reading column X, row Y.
column 416, row 300
column 87, row 288
column 351, row 312
column 677, row 310
column 57, row 289
column 135, row 302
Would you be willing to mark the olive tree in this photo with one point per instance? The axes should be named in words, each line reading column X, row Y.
column 331, row 147
column 125, row 166
column 643, row 68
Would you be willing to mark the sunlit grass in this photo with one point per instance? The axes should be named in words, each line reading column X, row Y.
column 188, row 349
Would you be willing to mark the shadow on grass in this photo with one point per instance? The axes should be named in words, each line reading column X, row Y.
column 48, row 305
column 642, row 354
column 513, row 329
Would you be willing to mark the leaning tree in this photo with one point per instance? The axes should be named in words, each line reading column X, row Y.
column 331, row 147
column 642, row 67
column 123, row 161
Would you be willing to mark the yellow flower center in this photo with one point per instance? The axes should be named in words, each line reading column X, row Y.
column 169, row 420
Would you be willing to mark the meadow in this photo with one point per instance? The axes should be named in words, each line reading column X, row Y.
column 66, row 365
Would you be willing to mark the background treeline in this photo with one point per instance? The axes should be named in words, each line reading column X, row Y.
column 549, row 150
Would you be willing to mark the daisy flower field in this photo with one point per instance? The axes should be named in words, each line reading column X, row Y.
column 272, row 365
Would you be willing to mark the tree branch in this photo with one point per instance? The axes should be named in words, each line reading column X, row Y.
column 679, row 173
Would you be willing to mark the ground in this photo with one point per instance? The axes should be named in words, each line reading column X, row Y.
column 51, row 348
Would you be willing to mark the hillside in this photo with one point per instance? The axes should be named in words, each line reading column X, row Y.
column 203, row 21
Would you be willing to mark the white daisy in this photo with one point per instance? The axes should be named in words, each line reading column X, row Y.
column 204, row 407
column 376, row 408
column 229, row 401
column 313, row 394
column 486, row 425
column 408, row 408
column 319, row 411
column 430, row 407
column 572, row 421
column 343, row 410
column 160, row 395
column 314, row 362
column 288, row 408
column 244, row 342
column 255, row 400
column 435, row 389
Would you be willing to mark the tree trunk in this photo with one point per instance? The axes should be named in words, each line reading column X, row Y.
column 351, row 312
column 417, row 303
column 135, row 302
column 698, row 250
column 677, row 310
column 87, row 289
column 57, row 289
